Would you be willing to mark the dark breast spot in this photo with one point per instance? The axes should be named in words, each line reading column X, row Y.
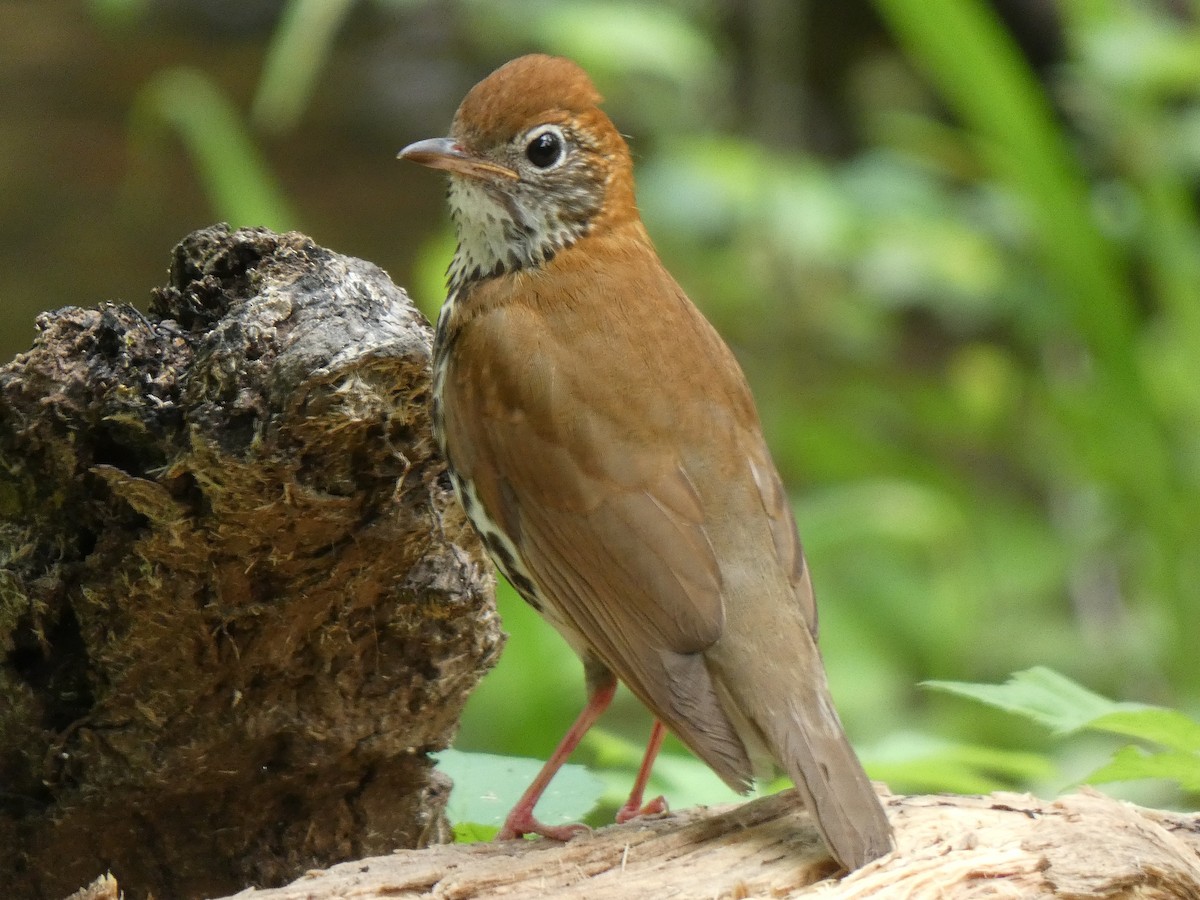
column 526, row 588
column 444, row 340
column 502, row 555
column 468, row 501
column 499, row 551
column 499, row 547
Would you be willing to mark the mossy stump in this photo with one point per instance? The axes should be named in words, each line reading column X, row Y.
column 238, row 602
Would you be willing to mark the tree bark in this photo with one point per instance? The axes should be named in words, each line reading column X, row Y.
column 238, row 602
column 1002, row 847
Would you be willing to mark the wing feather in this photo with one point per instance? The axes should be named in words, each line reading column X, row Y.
column 611, row 526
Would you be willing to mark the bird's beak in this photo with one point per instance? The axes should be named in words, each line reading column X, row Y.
column 448, row 154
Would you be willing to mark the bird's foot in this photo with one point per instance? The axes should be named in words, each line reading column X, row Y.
column 520, row 823
column 632, row 809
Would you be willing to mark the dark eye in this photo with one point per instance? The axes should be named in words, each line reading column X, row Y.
column 545, row 150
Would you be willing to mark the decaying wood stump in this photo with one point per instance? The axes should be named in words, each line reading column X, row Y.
column 1002, row 847
column 238, row 603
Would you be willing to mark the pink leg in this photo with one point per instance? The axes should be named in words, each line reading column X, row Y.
column 633, row 806
column 520, row 820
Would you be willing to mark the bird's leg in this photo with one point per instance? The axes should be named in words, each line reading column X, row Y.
column 633, row 806
column 520, row 820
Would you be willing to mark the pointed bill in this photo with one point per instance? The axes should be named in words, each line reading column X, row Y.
column 446, row 153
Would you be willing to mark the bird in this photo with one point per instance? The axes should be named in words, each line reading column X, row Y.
column 603, row 441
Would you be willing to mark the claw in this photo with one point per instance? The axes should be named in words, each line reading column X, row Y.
column 631, row 811
column 521, row 823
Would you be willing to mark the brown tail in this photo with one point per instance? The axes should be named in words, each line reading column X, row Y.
column 814, row 751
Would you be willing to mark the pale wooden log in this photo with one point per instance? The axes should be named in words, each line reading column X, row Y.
column 1084, row 846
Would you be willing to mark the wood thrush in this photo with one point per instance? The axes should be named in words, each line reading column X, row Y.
column 603, row 441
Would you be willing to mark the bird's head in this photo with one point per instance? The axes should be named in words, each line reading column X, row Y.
column 534, row 166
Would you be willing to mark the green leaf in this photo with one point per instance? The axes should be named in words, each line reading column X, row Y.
column 976, row 64
column 1040, row 694
column 625, row 36
column 473, row 832
column 1132, row 763
column 919, row 762
column 235, row 176
column 486, row 787
column 300, row 47
column 1168, row 727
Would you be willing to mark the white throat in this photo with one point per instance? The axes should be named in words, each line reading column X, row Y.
column 502, row 230
column 483, row 227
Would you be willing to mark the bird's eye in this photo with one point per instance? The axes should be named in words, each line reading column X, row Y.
column 545, row 149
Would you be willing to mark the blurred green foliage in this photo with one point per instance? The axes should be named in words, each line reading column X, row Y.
column 974, row 335
column 187, row 104
column 1044, row 696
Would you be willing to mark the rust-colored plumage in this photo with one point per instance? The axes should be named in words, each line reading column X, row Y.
column 604, row 442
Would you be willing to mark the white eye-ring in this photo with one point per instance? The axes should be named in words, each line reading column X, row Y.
column 546, row 146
